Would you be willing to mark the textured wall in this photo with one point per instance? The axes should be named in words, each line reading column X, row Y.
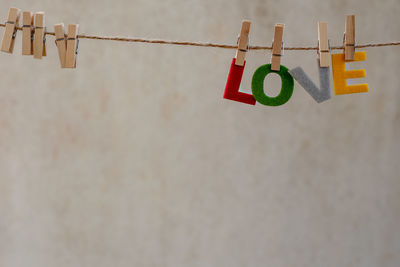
column 134, row 158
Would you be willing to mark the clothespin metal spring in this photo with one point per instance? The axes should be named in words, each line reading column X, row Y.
column 77, row 43
column 15, row 30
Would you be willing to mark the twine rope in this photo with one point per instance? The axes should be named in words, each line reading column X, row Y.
column 208, row 44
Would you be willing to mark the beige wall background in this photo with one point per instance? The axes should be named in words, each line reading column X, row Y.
column 135, row 159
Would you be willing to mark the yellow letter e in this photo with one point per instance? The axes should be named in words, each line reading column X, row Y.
column 340, row 74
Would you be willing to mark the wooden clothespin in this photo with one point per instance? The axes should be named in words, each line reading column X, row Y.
column 7, row 44
column 323, row 44
column 61, row 42
column 277, row 47
column 27, row 33
column 39, row 39
column 72, row 46
column 243, row 42
column 349, row 37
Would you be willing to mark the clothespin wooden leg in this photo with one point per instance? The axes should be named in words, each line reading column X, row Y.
column 38, row 37
column 349, row 38
column 61, row 42
column 323, row 44
column 7, row 44
column 27, row 30
column 277, row 47
column 72, row 45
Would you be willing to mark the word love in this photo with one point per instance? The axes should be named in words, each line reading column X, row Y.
column 321, row 93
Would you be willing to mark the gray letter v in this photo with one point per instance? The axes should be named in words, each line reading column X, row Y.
column 318, row 94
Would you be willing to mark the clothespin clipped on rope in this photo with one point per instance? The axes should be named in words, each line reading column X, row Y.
column 39, row 36
column 27, row 33
column 277, row 47
column 72, row 46
column 243, row 41
column 323, row 45
column 67, row 45
column 60, row 42
column 349, row 38
column 7, row 44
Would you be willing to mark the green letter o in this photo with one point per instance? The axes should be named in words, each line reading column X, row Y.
column 257, row 86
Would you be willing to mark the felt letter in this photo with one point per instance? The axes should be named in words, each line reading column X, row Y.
column 340, row 74
column 319, row 94
column 257, row 86
column 233, row 84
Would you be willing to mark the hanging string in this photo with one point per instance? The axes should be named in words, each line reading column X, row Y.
column 207, row 44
